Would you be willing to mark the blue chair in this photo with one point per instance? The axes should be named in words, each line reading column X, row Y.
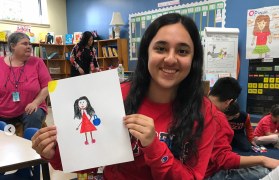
column 2, row 125
column 32, row 173
column 29, row 133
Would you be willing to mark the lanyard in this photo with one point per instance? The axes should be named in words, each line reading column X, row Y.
column 21, row 72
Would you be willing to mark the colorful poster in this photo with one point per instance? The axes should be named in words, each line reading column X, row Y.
column 88, row 112
column 262, row 33
column 220, row 51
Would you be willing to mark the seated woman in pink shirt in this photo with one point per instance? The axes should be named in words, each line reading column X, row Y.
column 267, row 130
column 23, row 84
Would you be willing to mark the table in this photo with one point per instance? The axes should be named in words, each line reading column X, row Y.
column 16, row 153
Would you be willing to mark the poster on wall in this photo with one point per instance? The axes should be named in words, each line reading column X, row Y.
column 220, row 53
column 262, row 33
column 204, row 13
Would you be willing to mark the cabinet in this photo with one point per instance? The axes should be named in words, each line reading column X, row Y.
column 55, row 58
column 112, row 52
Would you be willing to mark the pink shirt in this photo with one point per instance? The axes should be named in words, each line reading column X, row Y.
column 34, row 77
column 266, row 126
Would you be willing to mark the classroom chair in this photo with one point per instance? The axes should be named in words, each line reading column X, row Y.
column 2, row 125
column 19, row 128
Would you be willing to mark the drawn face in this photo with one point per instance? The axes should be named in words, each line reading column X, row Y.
column 261, row 24
column 82, row 104
column 170, row 56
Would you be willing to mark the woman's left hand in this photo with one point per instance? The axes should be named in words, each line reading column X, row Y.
column 31, row 107
column 141, row 127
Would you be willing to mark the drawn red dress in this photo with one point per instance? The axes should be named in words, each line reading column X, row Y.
column 86, row 125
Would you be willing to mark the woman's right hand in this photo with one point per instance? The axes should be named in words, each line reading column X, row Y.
column 44, row 142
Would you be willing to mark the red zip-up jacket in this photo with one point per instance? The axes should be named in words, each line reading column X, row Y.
column 157, row 161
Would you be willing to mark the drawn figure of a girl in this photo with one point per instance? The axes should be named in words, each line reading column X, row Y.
column 262, row 33
column 84, row 111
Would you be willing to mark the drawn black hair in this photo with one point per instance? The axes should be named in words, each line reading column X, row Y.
column 89, row 109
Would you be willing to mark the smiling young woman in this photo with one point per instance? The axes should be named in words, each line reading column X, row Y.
column 169, row 119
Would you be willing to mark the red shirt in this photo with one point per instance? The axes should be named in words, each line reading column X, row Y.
column 222, row 156
column 261, row 37
column 266, row 126
column 156, row 161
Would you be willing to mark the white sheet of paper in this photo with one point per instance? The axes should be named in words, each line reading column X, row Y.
column 112, row 142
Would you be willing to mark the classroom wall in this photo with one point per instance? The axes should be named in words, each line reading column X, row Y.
column 57, row 20
column 96, row 15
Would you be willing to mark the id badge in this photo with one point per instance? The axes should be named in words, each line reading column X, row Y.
column 16, row 97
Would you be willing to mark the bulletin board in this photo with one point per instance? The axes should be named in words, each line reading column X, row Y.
column 205, row 14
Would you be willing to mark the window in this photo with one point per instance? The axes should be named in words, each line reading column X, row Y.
column 27, row 11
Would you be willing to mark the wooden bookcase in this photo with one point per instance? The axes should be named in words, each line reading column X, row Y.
column 58, row 65
column 60, row 68
column 108, row 60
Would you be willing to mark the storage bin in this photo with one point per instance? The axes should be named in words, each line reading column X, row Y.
column 54, row 70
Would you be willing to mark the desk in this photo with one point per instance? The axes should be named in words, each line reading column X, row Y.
column 17, row 153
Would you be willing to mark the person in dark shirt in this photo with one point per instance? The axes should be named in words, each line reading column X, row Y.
column 83, row 56
column 240, row 123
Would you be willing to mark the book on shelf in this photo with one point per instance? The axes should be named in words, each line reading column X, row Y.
column 114, row 50
column 36, row 51
column 105, row 53
column 67, row 55
column 77, row 37
column 53, row 55
column 42, row 37
column 69, row 38
column 43, row 53
column 110, row 52
column 59, row 39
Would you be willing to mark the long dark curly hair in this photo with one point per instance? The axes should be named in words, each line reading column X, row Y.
column 188, row 121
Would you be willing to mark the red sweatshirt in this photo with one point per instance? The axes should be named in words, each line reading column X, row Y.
column 222, row 156
column 266, row 125
column 156, row 161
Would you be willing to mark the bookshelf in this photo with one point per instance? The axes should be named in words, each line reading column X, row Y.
column 112, row 52
column 58, row 65
column 54, row 56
